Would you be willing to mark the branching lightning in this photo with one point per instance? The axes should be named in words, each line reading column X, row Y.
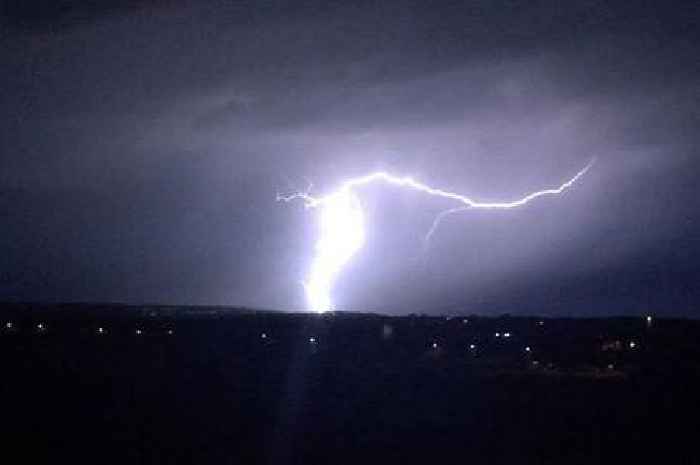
column 437, row 221
column 342, row 231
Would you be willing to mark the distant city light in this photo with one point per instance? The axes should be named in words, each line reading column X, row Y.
column 472, row 346
column 8, row 325
column 528, row 349
column 263, row 336
column 138, row 332
column 170, row 332
column 40, row 327
column 312, row 340
column 465, row 321
column 435, row 345
column 633, row 344
column 100, row 330
column 506, row 334
column 498, row 334
column 611, row 366
column 540, row 323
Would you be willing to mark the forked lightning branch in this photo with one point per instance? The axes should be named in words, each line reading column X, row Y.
column 341, row 224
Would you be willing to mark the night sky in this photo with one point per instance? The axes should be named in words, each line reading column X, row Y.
column 142, row 146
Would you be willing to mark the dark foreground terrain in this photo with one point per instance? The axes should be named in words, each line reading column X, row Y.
column 122, row 385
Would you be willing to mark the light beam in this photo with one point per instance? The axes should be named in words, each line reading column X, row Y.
column 342, row 231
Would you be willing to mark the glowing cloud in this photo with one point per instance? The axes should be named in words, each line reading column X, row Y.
column 342, row 229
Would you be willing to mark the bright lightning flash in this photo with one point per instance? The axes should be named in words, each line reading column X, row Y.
column 342, row 225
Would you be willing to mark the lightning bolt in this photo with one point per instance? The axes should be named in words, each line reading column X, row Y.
column 342, row 231
column 437, row 221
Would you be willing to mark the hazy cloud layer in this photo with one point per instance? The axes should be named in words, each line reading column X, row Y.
column 143, row 148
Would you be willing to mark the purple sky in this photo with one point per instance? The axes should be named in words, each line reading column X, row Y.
column 143, row 145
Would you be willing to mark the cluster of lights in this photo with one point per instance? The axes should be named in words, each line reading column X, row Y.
column 138, row 331
column 472, row 347
column 101, row 330
column 41, row 327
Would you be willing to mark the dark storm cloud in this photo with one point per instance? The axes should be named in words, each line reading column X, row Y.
column 143, row 146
